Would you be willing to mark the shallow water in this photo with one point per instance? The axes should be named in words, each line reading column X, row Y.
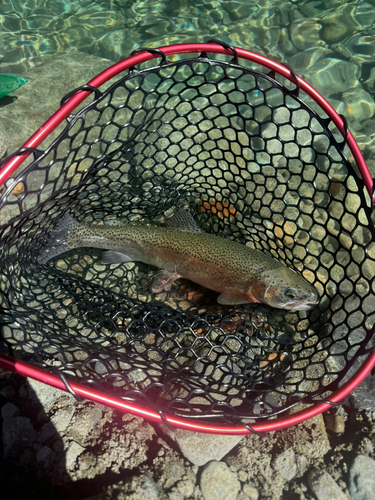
column 330, row 43
column 113, row 28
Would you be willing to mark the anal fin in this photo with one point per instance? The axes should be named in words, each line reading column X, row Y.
column 163, row 280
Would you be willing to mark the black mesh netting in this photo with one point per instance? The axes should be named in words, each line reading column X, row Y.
column 251, row 162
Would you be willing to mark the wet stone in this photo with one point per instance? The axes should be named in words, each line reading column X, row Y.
column 361, row 48
column 338, row 24
column 304, row 60
column 359, row 106
column 331, row 76
column 67, row 72
column 305, row 34
column 369, row 84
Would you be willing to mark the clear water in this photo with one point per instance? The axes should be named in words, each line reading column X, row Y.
column 111, row 29
column 330, row 43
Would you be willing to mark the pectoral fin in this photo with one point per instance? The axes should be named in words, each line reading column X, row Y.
column 163, row 280
column 109, row 257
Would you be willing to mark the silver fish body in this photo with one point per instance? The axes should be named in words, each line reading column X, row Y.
column 239, row 273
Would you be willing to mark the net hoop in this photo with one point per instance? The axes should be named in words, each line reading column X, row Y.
column 63, row 113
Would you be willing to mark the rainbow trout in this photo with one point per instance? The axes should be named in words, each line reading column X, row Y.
column 239, row 273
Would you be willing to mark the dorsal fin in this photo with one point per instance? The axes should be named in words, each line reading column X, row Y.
column 183, row 219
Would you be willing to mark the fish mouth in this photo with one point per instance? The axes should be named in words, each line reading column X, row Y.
column 300, row 306
column 309, row 301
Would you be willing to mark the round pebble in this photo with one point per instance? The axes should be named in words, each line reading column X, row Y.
column 335, row 423
column 218, row 482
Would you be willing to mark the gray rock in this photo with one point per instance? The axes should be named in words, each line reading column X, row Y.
column 145, row 488
column 44, row 394
column 218, row 482
column 302, row 61
column 301, row 465
column 324, row 486
column 305, row 33
column 43, row 454
column 335, row 423
column 363, row 395
column 47, row 431
column 251, row 492
column 72, row 453
column 285, row 464
column 173, row 472
column 242, row 496
column 18, row 434
column 9, row 410
column 62, row 418
column 4, row 141
column 82, row 427
column 202, row 448
column 124, row 448
column 362, row 478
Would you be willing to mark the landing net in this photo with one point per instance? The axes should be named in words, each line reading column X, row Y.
column 253, row 159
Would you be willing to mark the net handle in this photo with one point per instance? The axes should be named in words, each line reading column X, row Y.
column 82, row 391
column 140, row 57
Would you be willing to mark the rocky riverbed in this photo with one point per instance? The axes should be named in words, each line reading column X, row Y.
column 54, row 446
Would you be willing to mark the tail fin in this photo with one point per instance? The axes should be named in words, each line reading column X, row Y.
column 57, row 242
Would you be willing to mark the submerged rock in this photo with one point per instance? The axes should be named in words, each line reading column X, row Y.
column 361, row 47
column 305, row 59
column 40, row 98
column 305, row 34
column 4, row 141
column 333, row 76
column 359, row 106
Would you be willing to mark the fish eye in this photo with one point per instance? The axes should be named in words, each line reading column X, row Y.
column 291, row 293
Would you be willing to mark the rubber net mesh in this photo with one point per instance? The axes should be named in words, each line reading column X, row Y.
column 251, row 162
